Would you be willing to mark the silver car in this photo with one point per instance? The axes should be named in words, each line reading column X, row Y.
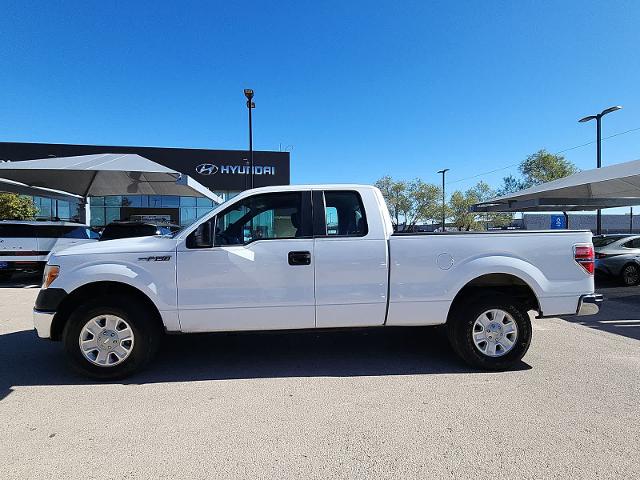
column 618, row 256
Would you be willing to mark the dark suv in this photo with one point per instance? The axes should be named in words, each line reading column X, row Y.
column 130, row 229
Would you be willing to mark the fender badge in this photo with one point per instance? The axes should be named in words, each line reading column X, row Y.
column 153, row 258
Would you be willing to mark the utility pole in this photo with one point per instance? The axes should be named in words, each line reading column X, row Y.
column 444, row 204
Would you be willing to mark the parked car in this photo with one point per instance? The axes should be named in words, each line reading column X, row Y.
column 266, row 260
column 25, row 246
column 130, row 229
column 619, row 256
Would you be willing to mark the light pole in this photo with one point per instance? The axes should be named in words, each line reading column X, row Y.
column 598, row 118
column 444, row 205
column 250, row 105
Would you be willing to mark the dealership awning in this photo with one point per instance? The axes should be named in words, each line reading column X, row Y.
column 22, row 189
column 104, row 174
column 613, row 186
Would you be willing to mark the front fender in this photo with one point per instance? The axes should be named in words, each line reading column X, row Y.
column 154, row 279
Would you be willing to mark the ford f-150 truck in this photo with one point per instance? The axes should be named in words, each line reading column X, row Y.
column 310, row 257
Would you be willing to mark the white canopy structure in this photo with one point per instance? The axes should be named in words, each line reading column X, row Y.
column 103, row 174
column 613, row 186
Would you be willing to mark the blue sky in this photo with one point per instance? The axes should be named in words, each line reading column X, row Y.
column 358, row 89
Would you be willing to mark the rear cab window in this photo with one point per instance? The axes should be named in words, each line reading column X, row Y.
column 344, row 214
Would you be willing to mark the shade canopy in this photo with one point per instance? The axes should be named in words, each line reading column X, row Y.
column 104, row 174
column 613, row 186
column 22, row 189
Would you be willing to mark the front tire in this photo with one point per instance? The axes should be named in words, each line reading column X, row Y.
column 111, row 337
column 491, row 332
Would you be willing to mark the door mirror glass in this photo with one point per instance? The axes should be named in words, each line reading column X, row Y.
column 202, row 236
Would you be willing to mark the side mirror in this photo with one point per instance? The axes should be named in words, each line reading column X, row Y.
column 202, row 236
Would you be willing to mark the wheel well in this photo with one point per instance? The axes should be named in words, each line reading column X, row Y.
column 500, row 283
column 94, row 290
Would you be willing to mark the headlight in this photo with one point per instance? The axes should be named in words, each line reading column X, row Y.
column 51, row 272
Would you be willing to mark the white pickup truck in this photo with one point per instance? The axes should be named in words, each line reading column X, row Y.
column 309, row 257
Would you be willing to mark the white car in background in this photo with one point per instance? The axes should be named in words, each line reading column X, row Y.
column 25, row 246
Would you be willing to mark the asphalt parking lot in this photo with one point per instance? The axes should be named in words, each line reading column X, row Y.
column 376, row 404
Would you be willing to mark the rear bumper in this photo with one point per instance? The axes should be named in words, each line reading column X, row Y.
column 589, row 304
column 42, row 322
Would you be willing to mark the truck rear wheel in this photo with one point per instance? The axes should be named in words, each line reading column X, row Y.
column 491, row 333
column 111, row 337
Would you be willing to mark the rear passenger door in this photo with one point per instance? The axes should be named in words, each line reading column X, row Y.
column 351, row 265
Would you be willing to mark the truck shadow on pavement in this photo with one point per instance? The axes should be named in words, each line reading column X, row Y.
column 26, row 360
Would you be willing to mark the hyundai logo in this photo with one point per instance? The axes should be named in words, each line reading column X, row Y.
column 211, row 169
column 207, row 169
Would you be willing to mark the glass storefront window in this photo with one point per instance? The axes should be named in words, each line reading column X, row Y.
column 170, row 201
column 187, row 216
column 97, row 217
column 44, row 207
column 155, row 201
column 97, row 201
column 200, row 211
column 132, row 200
column 187, row 201
column 112, row 214
column 113, row 201
column 204, row 202
column 64, row 210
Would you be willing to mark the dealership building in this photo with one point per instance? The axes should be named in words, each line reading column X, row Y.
column 224, row 172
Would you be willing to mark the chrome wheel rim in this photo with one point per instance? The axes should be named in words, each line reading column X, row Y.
column 495, row 333
column 106, row 340
column 631, row 275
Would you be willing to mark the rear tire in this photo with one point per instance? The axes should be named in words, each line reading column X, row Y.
column 491, row 332
column 111, row 337
column 630, row 275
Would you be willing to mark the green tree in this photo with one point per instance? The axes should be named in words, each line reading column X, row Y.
column 396, row 196
column 459, row 210
column 543, row 167
column 410, row 202
column 16, row 207
column 464, row 219
column 537, row 168
column 425, row 202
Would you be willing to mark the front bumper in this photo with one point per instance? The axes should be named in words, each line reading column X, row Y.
column 47, row 303
column 589, row 304
column 42, row 321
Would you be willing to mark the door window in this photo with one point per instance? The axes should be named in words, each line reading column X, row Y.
column 344, row 214
column 261, row 217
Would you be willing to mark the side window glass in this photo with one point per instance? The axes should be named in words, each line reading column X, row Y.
column 344, row 214
column 261, row 217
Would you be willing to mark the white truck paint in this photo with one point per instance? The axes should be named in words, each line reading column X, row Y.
column 366, row 279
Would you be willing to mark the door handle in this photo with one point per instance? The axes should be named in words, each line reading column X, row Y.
column 299, row 258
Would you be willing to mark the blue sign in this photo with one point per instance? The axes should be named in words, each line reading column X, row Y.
column 558, row 222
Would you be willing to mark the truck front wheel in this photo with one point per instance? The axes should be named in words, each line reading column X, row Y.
column 490, row 332
column 111, row 337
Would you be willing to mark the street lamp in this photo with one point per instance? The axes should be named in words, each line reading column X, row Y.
column 250, row 105
column 444, row 205
column 598, row 118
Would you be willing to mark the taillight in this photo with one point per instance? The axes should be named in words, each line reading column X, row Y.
column 584, row 256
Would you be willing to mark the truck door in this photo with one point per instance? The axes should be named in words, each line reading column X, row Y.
column 351, row 261
column 258, row 275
